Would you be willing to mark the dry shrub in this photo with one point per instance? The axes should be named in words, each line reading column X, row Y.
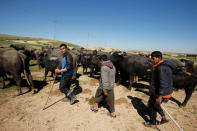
column 86, row 91
column 121, row 101
column 56, row 93
column 82, row 82
column 3, row 101
column 93, row 82
column 90, row 101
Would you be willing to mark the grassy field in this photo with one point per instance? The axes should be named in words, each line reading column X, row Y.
column 6, row 40
column 184, row 57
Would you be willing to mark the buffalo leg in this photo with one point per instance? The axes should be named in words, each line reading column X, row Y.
column 31, row 86
column 188, row 94
column 52, row 74
column 84, row 68
column 117, row 78
column 91, row 71
column 120, row 80
column 131, row 77
column 18, row 80
column 135, row 79
column 3, row 82
column 45, row 74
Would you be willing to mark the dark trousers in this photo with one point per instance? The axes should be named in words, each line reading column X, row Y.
column 154, row 108
column 65, row 83
column 109, row 98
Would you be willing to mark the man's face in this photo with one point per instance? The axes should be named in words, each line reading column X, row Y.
column 155, row 60
column 63, row 49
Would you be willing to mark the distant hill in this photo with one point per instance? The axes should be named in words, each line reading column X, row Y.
column 6, row 40
column 37, row 43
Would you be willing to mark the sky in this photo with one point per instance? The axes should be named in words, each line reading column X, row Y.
column 149, row 25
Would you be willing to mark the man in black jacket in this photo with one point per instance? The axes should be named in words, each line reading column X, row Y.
column 160, row 89
column 66, row 72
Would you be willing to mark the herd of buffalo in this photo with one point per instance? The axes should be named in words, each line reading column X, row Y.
column 129, row 67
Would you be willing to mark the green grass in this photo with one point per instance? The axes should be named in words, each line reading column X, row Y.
column 9, row 89
column 6, row 40
column 182, row 57
column 35, row 66
column 13, row 37
column 8, row 92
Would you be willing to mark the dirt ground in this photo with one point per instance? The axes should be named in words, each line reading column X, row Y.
column 26, row 112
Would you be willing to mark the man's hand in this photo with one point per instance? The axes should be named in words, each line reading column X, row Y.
column 57, row 71
column 159, row 99
column 105, row 93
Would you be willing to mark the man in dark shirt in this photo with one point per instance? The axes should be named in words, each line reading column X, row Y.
column 66, row 72
column 160, row 89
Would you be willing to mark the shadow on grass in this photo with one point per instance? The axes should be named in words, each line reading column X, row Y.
column 134, row 85
column 172, row 98
column 141, row 108
column 37, row 85
column 77, row 88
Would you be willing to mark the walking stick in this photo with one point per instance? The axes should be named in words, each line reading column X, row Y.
column 50, row 91
column 172, row 118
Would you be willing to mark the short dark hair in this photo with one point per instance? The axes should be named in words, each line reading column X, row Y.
column 156, row 54
column 63, row 45
column 103, row 57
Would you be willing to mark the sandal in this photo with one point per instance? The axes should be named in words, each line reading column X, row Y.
column 164, row 121
column 148, row 124
column 93, row 109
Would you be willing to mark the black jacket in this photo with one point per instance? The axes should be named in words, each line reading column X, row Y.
column 162, row 81
column 69, row 61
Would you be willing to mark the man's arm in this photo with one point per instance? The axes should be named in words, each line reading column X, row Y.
column 105, row 79
column 60, row 70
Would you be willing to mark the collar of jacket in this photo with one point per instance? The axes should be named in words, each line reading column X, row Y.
column 65, row 54
column 154, row 66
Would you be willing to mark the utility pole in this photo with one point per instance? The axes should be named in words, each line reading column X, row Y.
column 54, row 30
column 88, row 39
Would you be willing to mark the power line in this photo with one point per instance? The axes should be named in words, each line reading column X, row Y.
column 54, row 37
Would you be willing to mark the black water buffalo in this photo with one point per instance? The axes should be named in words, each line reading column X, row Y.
column 94, row 65
column 15, row 63
column 48, row 63
column 189, row 65
column 130, row 66
column 185, row 78
column 29, row 52
column 18, row 46
column 85, row 62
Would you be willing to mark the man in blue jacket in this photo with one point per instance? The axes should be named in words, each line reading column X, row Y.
column 161, row 87
column 67, row 73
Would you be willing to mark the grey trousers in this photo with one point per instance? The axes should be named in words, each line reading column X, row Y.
column 109, row 98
